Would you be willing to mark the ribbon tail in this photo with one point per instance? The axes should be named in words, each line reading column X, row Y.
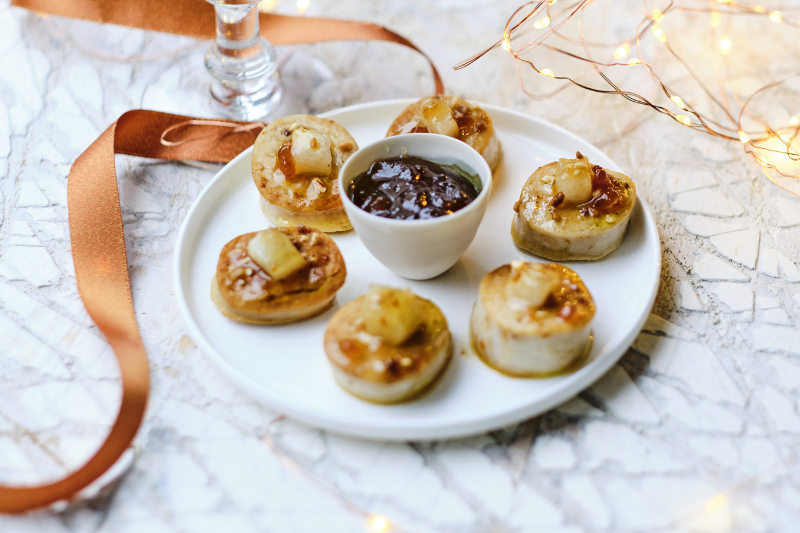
column 101, row 269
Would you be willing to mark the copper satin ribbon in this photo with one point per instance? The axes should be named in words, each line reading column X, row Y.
column 101, row 270
column 95, row 217
column 196, row 18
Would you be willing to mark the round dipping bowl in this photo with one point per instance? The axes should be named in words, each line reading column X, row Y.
column 417, row 249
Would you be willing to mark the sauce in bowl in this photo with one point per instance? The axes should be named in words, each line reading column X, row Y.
column 413, row 188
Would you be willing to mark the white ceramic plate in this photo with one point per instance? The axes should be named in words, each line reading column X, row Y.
column 285, row 366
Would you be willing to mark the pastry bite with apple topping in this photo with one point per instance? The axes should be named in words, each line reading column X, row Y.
column 387, row 345
column 532, row 319
column 277, row 275
column 296, row 162
column 573, row 210
column 454, row 117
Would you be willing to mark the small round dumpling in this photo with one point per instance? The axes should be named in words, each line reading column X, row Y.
column 387, row 345
column 296, row 162
column 572, row 210
column 277, row 275
column 454, row 117
column 532, row 319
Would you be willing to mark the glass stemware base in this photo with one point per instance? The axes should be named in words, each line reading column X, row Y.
column 246, row 85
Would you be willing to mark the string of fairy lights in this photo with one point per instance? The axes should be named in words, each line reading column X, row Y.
column 538, row 24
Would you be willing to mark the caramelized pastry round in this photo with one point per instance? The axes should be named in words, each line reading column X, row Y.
column 573, row 210
column 532, row 319
column 296, row 162
column 292, row 287
column 454, row 117
column 384, row 369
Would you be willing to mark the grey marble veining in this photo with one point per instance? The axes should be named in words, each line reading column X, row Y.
column 696, row 429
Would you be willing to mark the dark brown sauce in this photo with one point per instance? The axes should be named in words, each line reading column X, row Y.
column 608, row 194
column 286, row 161
column 410, row 188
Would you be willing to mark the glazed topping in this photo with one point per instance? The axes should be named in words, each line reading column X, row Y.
column 531, row 285
column 536, row 298
column 588, row 188
column 469, row 123
column 410, row 188
column 275, row 252
column 608, row 194
column 448, row 116
column 285, row 162
column 438, row 117
column 390, row 314
column 240, row 277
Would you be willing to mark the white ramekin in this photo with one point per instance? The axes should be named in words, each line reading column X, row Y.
column 417, row 249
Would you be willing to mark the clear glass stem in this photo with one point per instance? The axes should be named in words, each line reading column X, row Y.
column 246, row 85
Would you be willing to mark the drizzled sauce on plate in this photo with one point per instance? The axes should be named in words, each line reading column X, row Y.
column 412, row 188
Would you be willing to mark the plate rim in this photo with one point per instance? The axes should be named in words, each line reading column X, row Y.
column 567, row 389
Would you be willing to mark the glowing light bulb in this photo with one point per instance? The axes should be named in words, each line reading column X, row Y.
column 724, row 1
column 302, row 5
column 265, row 6
column 552, row 2
column 542, row 23
column 634, row 61
column 678, row 102
column 794, row 121
column 379, row 524
column 716, row 19
column 506, row 44
column 759, row 9
column 659, row 33
column 725, row 45
column 744, row 137
column 766, row 164
column 621, row 52
column 776, row 16
column 657, row 14
column 684, row 119
column 547, row 72
column 720, row 500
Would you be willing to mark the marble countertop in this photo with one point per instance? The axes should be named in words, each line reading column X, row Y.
column 696, row 429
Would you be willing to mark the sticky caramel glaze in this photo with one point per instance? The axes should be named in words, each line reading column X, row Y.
column 357, row 353
column 246, row 287
column 286, row 161
column 568, row 308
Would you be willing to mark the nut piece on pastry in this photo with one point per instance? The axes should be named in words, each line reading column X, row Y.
column 277, row 275
column 573, row 210
column 532, row 319
column 296, row 161
column 454, row 117
column 387, row 345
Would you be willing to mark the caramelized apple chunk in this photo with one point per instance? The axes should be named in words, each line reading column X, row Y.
column 311, row 151
column 390, row 313
column 274, row 251
column 438, row 117
column 574, row 180
column 531, row 285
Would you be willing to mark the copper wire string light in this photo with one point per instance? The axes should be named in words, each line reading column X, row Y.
column 540, row 24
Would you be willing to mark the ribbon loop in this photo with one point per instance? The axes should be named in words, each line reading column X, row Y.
column 101, row 268
column 95, row 217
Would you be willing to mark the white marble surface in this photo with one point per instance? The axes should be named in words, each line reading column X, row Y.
column 696, row 429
